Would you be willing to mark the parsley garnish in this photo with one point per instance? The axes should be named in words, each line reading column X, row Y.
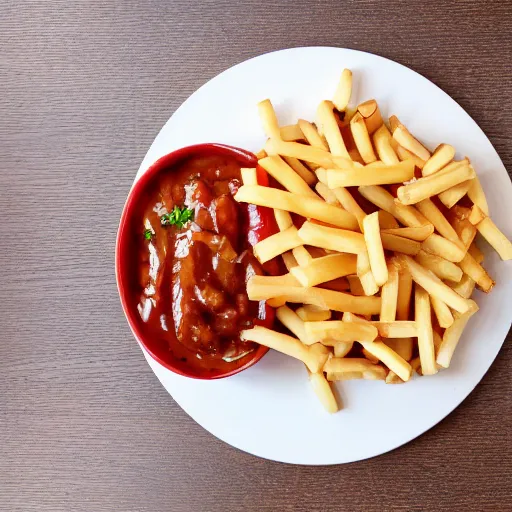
column 178, row 217
column 148, row 234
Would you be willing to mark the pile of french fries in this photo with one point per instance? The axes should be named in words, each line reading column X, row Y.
column 382, row 270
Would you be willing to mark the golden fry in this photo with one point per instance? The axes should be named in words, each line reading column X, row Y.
column 276, row 244
column 312, row 208
column 407, row 215
column 312, row 136
column 335, row 239
column 452, row 336
column 424, row 188
column 442, row 268
column 343, row 91
column 382, row 141
column 400, row 244
column 389, row 296
column 291, row 133
column 436, row 244
column 323, row 391
column 354, row 177
column 371, row 114
column 330, row 129
column 309, row 313
column 442, row 156
column 425, row 333
column 285, row 175
column 407, row 141
column 375, row 249
column 435, row 216
column 269, row 119
column 362, row 138
column 442, row 311
column 262, row 288
column 419, row 234
column 327, row 268
column 307, row 175
column 434, row 286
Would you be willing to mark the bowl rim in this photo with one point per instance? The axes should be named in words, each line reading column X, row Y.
column 137, row 188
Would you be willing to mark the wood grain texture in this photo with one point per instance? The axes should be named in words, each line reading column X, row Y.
column 85, row 87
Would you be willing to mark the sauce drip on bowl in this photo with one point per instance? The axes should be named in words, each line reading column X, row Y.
column 190, row 277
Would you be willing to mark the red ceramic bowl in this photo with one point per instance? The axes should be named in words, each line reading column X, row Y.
column 124, row 265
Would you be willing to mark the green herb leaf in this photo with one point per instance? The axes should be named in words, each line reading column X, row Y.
column 148, row 234
column 178, row 217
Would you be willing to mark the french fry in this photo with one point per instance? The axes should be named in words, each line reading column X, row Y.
column 326, row 194
column 389, row 296
column 434, row 286
column 407, row 141
column 464, row 229
column 368, row 355
column 309, row 313
column 434, row 184
column 269, row 119
column 374, row 247
column 362, row 138
column 477, row 195
column 289, row 260
column 382, row 142
column 323, row 391
column 343, row 91
column 307, row 175
column 327, row 268
column 350, row 204
column 356, row 287
column 311, row 208
column 476, row 216
column 454, row 194
column 477, row 273
column 439, row 246
column 442, row 311
column 371, row 114
column 284, row 280
column 396, row 329
column 354, row 177
column 403, row 306
column 302, row 256
column 294, row 324
column 329, row 127
column 425, row 333
column 288, row 345
column 387, row 221
column 276, row 244
column 285, row 175
column 259, row 288
column 431, row 212
column 312, row 136
column 452, row 336
column 389, row 358
column 419, row 234
column 400, row 244
column 249, row 176
column 260, row 154
column 276, row 302
column 404, row 154
column 291, row 133
column 393, row 378
column 332, row 331
column 283, row 219
column 299, row 151
column 498, row 241
column 443, row 155
column 335, row 239
column 464, row 287
column 407, row 215
column 352, row 367
column 477, row 254
column 365, row 275
column 394, row 123
column 402, row 346
column 442, row 268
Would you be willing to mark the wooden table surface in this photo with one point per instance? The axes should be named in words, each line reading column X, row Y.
column 85, row 87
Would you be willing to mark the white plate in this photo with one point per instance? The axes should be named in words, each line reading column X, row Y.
column 269, row 410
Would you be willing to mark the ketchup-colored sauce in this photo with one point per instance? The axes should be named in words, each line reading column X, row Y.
column 189, row 283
